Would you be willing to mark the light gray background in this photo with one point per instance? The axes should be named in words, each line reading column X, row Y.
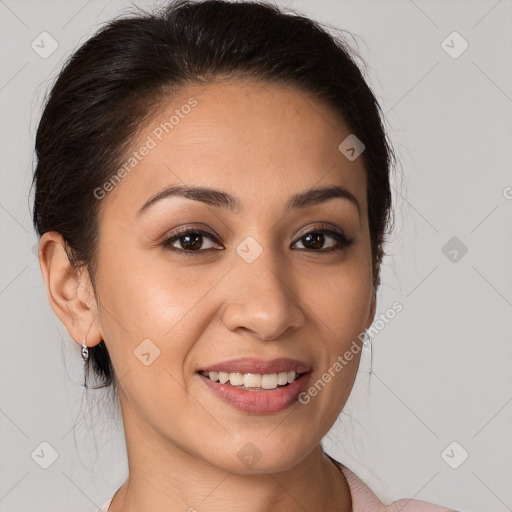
column 441, row 368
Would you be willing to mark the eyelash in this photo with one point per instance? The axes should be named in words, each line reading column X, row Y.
column 341, row 239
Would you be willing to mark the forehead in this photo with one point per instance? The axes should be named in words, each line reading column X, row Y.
column 256, row 140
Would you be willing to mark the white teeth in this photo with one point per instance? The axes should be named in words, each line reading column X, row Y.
column 223, row 377
column 253, row 380
column 269, row 381
column 282, row 378
column 236, row 379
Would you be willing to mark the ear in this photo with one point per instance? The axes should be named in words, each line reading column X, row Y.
column 69, row 292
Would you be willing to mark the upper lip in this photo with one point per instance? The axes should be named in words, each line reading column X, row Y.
column 255, row 365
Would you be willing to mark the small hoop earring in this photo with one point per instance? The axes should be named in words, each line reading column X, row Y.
column 85, row 351
column 368, row 344
column 371, row 354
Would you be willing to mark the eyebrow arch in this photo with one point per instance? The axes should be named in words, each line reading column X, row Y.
column 222, row 199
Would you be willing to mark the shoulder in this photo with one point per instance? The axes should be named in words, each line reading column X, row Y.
column 408, row 505
column 365, row 500
column 104, row 507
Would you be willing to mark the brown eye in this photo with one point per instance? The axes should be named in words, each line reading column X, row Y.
column 190, row 240
column 315, row 240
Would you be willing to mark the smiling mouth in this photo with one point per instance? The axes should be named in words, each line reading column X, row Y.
column 253, row 381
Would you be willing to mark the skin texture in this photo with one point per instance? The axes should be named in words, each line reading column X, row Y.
column 261, row 143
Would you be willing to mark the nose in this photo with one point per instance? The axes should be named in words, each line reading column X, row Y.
column 260, row 299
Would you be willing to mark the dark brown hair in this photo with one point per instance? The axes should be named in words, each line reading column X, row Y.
column 113, row 82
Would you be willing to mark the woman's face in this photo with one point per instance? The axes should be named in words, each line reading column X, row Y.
column 255, row 285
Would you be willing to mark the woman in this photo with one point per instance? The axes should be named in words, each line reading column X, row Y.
column 212, row 196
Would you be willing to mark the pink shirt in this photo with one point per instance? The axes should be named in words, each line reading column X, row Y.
column 363, row 499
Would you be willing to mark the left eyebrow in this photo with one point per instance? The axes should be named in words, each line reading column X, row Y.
column 223, row 199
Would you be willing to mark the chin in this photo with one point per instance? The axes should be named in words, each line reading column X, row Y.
column 263, row 452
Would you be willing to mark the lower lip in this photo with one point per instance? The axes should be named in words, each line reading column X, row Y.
column 258, row 402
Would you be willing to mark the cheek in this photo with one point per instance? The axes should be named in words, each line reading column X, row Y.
column 145, row 298
column 339, row 302
column 339, row 297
